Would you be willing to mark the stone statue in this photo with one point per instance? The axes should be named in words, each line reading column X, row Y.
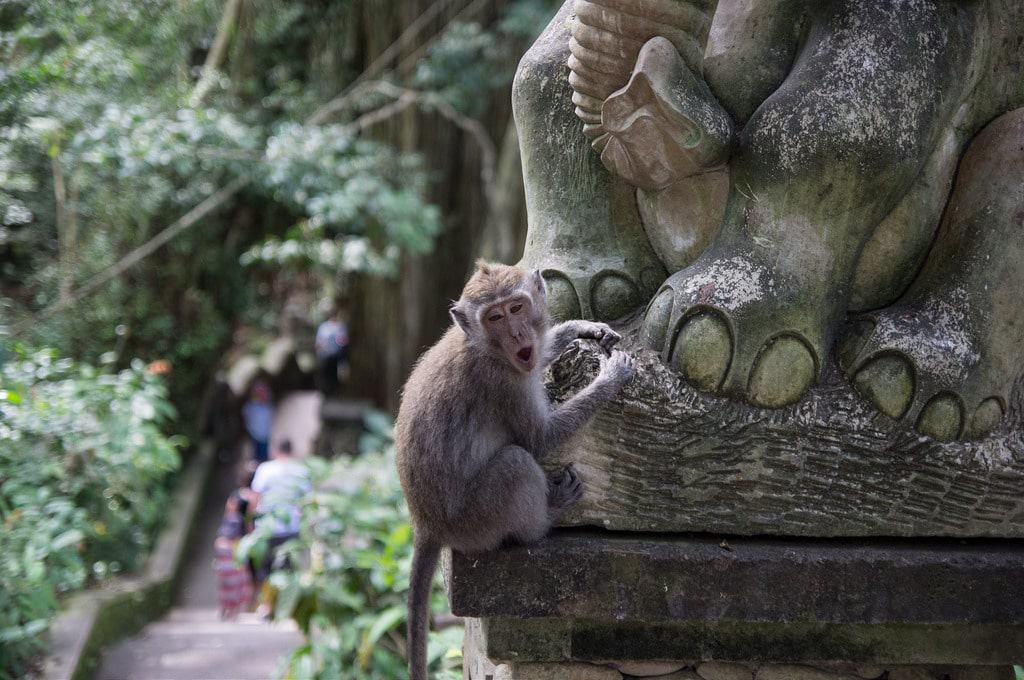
column 806, row 218
column 782, row 186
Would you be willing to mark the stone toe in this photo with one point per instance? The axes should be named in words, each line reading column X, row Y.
column 563, row 301
column 703, row 350
column 613, row 296
column 986, row 417
column 942, row 418
column 782, row 373
column 887, row 381
column 655, row 326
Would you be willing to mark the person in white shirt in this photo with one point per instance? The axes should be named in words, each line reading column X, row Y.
column 279, row 486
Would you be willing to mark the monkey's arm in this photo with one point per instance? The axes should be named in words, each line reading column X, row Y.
column 568, row 418
column 561, row 335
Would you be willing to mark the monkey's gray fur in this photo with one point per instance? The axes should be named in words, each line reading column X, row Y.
column 474, row 425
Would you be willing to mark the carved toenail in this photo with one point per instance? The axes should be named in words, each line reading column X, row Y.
column 942, row 418
column 613, row 296
column 888, row 382
column 652, row 334
column 703, row 350
column 783, row 372
column 986, row 417
column 563, row 303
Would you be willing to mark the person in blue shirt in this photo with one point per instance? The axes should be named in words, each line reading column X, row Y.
column 258, row 416
column 331, row 351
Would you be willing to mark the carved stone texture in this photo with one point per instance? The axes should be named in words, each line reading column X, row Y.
column 666, row 457
column 609, row 599
column 635, row 73
column 837, row 178
column 604, row 576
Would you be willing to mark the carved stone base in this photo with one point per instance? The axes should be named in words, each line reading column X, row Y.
column 665, row 457
column 587, row 605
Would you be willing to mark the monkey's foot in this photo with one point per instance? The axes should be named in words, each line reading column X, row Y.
column 564, row 488
column 731, row 325
column 934, row 363
column 606, row 290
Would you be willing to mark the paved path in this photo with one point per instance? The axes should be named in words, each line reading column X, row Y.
column 191, row 642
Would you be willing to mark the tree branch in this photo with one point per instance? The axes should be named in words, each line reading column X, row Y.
column 218, row 51
column 404, row 97
column 197, row 213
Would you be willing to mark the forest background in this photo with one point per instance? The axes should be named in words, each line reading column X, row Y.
column 355, row 148
column 174, row 176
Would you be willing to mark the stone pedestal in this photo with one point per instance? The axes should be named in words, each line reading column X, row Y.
column 586, row 604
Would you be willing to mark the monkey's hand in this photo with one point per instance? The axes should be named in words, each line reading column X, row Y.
column 617, row 370
column 603, row 333
column 567, row 331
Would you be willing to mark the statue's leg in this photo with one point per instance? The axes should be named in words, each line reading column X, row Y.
column 584, row 233
column 947, row 355
column 821, row 162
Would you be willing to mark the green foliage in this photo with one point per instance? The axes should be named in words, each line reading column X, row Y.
column 469, row 62
column 83, row 472
column 350, row 601
column 362, row 200
column 464, row 64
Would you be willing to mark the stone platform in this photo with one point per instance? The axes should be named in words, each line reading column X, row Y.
column 614, row 600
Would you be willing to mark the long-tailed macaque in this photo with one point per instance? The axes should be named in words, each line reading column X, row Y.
column 475, row 422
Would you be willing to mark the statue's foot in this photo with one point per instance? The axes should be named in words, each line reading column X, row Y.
column 585, row 232
column 930, row 362
column 946, row 357
column 603, row 291
column 731, row 325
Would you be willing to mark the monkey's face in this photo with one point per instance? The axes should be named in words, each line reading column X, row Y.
column 510, row 325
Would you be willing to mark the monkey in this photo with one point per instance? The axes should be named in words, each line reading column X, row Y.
column 475, row 422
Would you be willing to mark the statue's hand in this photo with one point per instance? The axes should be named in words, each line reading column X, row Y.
column 665, row 124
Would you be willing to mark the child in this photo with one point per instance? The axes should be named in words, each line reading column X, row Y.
column 234, row 582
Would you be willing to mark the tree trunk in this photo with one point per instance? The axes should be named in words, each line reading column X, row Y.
column 394, row 320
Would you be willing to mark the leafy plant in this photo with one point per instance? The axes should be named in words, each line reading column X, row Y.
column 83, row 473
column 350, row 598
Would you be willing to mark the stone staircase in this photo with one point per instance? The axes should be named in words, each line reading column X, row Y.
column 194, row 644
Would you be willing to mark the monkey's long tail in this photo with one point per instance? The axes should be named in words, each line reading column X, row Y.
column 424, row 562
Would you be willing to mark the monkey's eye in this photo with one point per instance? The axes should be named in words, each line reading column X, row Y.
column 515, row 309
column 494, row 317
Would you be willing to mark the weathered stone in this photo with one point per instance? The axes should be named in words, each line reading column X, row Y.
column 557, row 640
column 911, row 673
column 646, row 669
column 475, row 664
column 983, row 673
column 556, row 671
column 718, row 670
column 591, row 575
column 790, row 672
column 839, row 170
column 665, row 457
column 678, row 675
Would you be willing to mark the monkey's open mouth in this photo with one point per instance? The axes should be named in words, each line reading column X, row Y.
column 524, row 354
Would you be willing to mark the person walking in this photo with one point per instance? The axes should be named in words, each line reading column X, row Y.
column 279, row 486
column 234, row 580
column 258, row 415
column 331, row 351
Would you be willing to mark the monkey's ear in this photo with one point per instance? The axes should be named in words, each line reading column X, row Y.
column 460, row 317
column 540, row 286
